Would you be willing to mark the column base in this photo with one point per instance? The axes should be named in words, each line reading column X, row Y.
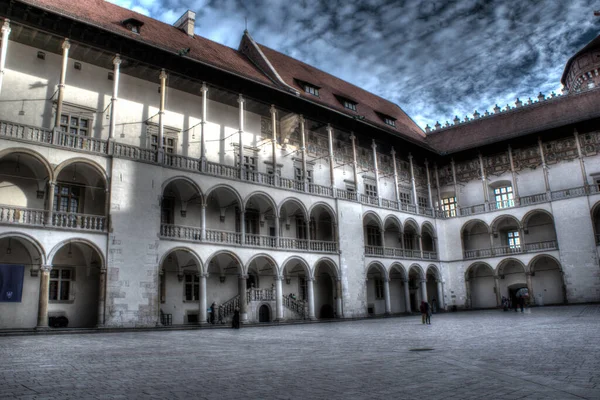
column 42, row 328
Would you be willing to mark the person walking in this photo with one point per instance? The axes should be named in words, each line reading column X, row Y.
column 428, row 313
column 235, row 323
column 423, row 309
column 213, row 307
column 433, row 306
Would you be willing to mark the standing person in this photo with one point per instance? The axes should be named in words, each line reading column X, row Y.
column 213, row 307
column 235, row 323
column 427, row 313
column 433, row 305
column 521, row 303
column 423, row 309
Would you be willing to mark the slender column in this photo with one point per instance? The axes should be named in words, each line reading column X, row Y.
column 492, row 242
column 382, row 235
column 406, row 295
column 241, row 102
column 279, row 297
column 203, row 221
column 243, row 226
column 514, row 177
column 202, row 305
column 581, row 161
column 497, row 290
column 161, row 114
column 276, row 217
column 420, row 243
column 544, row 167
column 413, row 182
column 50, row 210
column 3, row 49
column 429, row 197
column 486, row 195
column 331, row 160
column 203, row 126
column 396, row 192
column 530, row 288
column 424, row 289
column 274, row 144
column 437, row 187
column 374, row 147
column 455, row 187
column 386, row 294
column 440, row 295
column 303, row 148
column 311, row 298
column 42, row 320
column 243, row 300
column 354, row 163
column 468, row 293
column 338, row 298
column 115, row 96
column 101, row 296
column 61, row 86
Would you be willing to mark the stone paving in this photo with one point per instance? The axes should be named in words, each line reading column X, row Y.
column 544, row 353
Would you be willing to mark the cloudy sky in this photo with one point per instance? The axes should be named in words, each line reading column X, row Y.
column 435, row 59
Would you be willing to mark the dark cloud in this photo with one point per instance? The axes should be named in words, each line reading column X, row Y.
column 435, row 59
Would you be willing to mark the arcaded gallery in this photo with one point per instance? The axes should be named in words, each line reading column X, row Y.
column 149, row 175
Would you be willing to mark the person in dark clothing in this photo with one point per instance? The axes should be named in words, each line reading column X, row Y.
column 521, row 303
column 427, row 313
column 423, row 310
column 213, row 309
column 235, row 323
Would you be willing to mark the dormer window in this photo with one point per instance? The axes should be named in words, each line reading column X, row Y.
column 349, row 104
column 308, row 87
column 390, row 121
column 133, row 25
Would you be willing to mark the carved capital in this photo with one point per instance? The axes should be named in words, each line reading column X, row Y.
column 6, row 27
column 66, row 44
column 373, row 145
column 242, row 276
column 163, row 74
column 46, row 268
column 273, row 110
column 393, row 152
column 241, row 99
column 117, row 60
column 204, row 88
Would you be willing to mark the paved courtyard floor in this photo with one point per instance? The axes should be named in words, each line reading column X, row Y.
column 544, row 353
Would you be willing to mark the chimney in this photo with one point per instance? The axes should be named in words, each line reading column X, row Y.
column 186, row 22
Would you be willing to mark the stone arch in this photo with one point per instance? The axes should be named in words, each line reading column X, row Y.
column 192, row 253
column 379, row 267
column 417, row 267
column 511, row 274
column 428, row 225
column 500, row 218
column 547, row 280
column 32, row 153
column 412, row 222
column 506, row 261
column 266, row 256
column 31, row 240
column 398, row 268
column 325, row 288
column 188, row 180
column 435, row 271
column 94, row 165
column 472, row 222
column 228, row 187
column 475, row 235
column 234, row 256
column 260, row 315
column 267, row 196
column 538, row 227
column 480, row 286
column 329, row 262
column 370, row 215
column 392, row 219
column 529, row 214
column 87, row 242
column 296, row 202
column 327, row 207
column 300, row 262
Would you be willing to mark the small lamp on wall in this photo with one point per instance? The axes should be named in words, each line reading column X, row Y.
column 288, row 280
column 222, row 279
column 34, row 272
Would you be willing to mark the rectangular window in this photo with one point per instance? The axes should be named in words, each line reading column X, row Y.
column 371, row 190
column 302, row 288
column 504, row 197
column 311, row 89
column 449, row 206
column 514, row 241
column 298, row 174
column 60, row 284
column 169, row 143
column 423, row 202
column 373, row 236
column 66, row 198
column 74, row 124
column 350, row 105
column 379, row 289
column 300, row 228
column 192, row 287
column 405, row 197
column 390, row 122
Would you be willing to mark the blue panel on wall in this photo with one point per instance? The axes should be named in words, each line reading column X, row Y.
column 11, row 282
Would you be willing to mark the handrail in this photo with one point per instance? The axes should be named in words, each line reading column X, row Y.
column 261, row 240
column 25, row 132
column 300, row 307
column 80, row 142
column 506, row 250
column 216, row 236
column 392, row 252
column 257, row 294
column 181, row 232
column 78, row 221
column 20, row 215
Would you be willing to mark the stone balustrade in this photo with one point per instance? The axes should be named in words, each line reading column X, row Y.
column 27, row 216
column 500, row 251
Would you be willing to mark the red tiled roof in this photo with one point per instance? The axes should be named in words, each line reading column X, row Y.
column 368, row 106
column 110, row 17
column 538, row 117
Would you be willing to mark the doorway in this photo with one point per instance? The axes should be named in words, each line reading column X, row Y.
column 264, row 313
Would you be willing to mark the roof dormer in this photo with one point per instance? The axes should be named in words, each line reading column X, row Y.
column 308, row 87
column 133, row 25
column 347, row 103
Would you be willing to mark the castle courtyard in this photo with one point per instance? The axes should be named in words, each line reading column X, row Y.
column 543, row 353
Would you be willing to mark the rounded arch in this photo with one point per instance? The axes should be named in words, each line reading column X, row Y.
column 398, row 267
column 507, row 261
column 527, row 217
column 328, row 261
column 181, row 178
column 392, row 219
column 471, row 223
column 211, row 191
column 534, row 260
column 379, row 267
column 270, row 200
column 327, row 207
column 370, row 215
column 300, row 261
column 500, row 183
column 87, row 242
column 34, row 242
column 435, row 271
column 231, row 254
column 500, row 218
column 33, row 154
column 296, row 202
column 417, row 267
column 428, row 226
column 412, row 222
column 471, row 269
column 194, row 255
column 94, row 165
column 266, row 256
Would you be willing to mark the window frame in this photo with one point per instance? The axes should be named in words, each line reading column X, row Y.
column 514, row 240
column 449, row 206
column 379, row 291
column 191, row 286
column 504, row 197
column 349, row 104
column 371, row 189
column 57, row 280
column 58, row 196
column 68, row 126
